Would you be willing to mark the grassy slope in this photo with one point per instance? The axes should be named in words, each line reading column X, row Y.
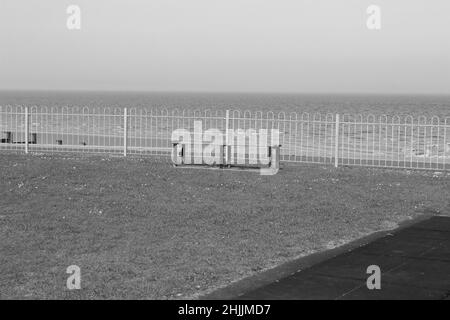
column 139, row 228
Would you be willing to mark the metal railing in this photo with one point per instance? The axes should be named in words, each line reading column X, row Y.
column 355, row 140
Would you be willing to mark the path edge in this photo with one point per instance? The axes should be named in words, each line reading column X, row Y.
column 266, row 277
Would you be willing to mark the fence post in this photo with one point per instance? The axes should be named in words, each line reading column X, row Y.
column 227, row 126
column 27, row 133
column 336, row 142
column 125, row 129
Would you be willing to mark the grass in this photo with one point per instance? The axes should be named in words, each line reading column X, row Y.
column 139, row 228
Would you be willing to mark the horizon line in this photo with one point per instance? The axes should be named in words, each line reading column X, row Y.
column 228, row 92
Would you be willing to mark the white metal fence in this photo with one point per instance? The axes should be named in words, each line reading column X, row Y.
column 357, row 140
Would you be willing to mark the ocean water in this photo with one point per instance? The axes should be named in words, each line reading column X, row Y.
column 401, row 105
column 404, row 137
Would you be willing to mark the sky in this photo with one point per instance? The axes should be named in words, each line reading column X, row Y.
column 304, row 46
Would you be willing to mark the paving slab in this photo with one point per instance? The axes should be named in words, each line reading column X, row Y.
column 400, row 246
column 414, row 264
column 437, row 223
column 354, row 265
column 420, row 274
column 440, row 252
column 394, row 292
column 310, row 287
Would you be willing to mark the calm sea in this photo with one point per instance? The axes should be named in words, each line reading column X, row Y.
column 416, row 105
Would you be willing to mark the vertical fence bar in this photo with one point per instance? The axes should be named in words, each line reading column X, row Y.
column 27, row 133
column 125, row 129
column 446, row 147
column 227, row 126
column 336, row 142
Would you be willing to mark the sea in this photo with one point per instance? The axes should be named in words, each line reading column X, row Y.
column 365, row 104
column 394, row 140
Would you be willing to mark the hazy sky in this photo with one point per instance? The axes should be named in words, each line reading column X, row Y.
column 226, row 45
